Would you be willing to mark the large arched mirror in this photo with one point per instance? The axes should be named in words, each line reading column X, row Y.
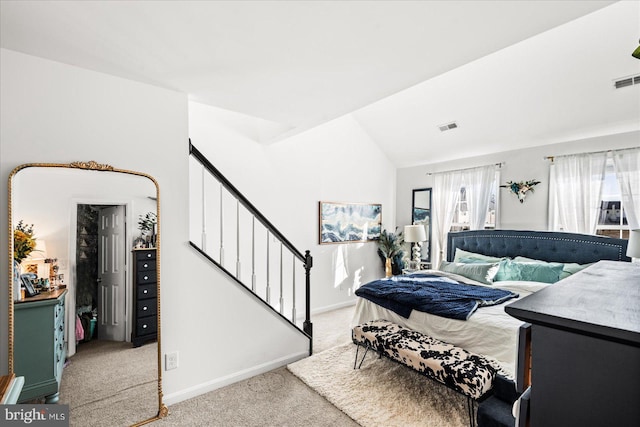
column 84, row 305
column 421, row 214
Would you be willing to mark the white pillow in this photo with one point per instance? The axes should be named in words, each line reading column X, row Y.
column 466, row 254
column 481, row 272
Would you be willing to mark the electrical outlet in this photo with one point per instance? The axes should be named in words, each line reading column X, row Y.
column 170, row 361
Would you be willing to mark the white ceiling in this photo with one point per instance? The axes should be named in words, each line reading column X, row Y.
column 511, row 73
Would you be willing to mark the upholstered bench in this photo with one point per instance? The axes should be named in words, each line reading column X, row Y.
column 467, row 373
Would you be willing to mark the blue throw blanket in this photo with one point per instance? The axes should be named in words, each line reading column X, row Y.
column 432, row 294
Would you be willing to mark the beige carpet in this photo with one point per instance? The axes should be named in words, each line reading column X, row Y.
column 106, row 386
column 382, row 392
column 110, row 384
column 275, row 398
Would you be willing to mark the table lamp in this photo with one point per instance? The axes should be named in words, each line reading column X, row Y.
column 39, row 252
column 633, row 246
column 415, row 234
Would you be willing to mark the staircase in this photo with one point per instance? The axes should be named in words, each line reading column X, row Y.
column 242, row 243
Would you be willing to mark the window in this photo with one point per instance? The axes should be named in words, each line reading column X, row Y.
column 461, row 214
column 612, row 220
column 587, row 196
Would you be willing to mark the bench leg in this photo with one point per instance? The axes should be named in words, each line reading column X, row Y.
column 355, row 363
column 471, row 411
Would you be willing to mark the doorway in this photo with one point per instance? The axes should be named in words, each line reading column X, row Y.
column 101, row 296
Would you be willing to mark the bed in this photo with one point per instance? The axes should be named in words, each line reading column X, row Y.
column 489, row 331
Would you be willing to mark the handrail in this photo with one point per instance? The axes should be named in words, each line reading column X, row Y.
column 245, row 202
column 307, row 259
column 204, row 254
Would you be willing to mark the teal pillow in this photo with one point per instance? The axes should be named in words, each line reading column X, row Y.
column 525, row 259
column 567, row 270
column 545, row 272
column 480, row 272
column 572, row 268
column 472, row 255
column 470, row 260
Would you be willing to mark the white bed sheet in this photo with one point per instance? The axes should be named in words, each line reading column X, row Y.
column 490, row 331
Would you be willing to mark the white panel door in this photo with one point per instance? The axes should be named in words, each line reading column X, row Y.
column 111, row 274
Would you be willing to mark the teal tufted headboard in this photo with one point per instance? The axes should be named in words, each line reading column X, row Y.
column 548, row 246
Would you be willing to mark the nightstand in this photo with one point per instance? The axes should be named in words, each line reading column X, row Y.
column 39, row 350
column 423, row 266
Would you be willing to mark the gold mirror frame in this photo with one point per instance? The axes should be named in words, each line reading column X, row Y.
column 163, row 411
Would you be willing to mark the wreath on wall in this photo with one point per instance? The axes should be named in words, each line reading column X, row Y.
column 521, row 188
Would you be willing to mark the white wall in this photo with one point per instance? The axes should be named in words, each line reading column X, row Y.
column 286, row 180
column 518, row 165
column 51, row 206
column 51, row 112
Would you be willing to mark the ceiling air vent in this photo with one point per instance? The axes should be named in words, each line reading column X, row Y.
column 448, row 126
column 627, row 81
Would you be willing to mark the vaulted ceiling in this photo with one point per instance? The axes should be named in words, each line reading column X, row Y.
column 510, row 73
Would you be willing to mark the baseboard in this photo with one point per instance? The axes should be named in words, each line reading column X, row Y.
column 197, row 390
column 325, row 309
column 333, row 307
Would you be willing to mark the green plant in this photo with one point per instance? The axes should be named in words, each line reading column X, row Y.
column 390, row 246
column 146, row 222
column 23, row 241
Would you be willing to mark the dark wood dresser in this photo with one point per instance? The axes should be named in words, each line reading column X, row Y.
column 145, row 304
column 585, row 348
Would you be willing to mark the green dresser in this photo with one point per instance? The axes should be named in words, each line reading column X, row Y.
column 39, row 348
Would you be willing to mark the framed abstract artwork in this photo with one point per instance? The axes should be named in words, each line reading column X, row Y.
column 349, row 222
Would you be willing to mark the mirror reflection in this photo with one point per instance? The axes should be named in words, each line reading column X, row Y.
column 421, row 214
column 85, row 267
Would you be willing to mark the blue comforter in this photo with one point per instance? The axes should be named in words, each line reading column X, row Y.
column 432, row 294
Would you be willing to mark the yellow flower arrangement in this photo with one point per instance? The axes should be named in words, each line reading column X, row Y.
column 23, row 241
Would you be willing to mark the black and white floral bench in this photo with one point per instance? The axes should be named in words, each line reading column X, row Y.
column 469, row 374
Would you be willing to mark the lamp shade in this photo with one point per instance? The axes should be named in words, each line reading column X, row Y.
column 633, row 246
column 414, row 233
column 39, row 252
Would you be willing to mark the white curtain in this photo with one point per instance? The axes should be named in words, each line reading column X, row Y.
column 627, row 167
column 577, row 183
column 478, row 183
column 554, row 214
column 446, row 191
